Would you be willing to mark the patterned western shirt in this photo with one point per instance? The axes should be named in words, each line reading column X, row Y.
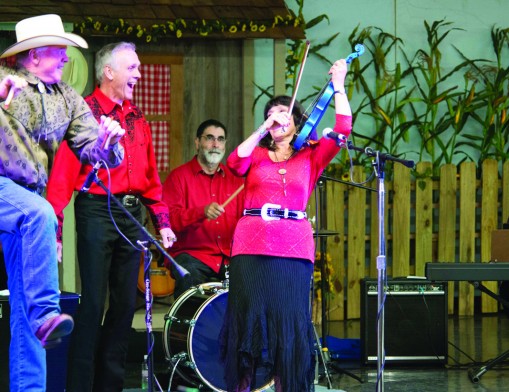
column 36, row 122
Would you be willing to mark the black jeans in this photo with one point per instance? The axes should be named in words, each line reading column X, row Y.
column 107, row 261
column 198, row 273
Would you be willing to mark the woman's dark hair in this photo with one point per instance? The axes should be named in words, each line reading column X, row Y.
column 297, row 114
column 210, row 122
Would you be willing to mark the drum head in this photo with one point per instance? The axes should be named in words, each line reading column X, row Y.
column 204, row 346
column 204, row 343
column 193, row 326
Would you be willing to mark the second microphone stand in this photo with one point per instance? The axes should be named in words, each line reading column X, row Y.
column 322, row 234
column 147, row 239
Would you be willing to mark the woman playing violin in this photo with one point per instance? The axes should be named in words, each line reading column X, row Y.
column 268, row 323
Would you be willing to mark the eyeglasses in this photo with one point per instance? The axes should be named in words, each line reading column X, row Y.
column 212, row 138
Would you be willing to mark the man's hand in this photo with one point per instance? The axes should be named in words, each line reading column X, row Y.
column 10, row 86
column 110, row 132
column 213, row 211
column 168, row 237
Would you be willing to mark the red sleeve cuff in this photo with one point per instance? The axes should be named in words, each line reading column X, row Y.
column 343, row 124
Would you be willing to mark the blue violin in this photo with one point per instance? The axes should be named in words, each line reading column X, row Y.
column 320, row 105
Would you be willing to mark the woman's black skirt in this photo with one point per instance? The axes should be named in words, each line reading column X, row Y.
column 267, row 331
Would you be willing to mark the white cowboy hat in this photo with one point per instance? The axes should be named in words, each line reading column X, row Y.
column 43, row 30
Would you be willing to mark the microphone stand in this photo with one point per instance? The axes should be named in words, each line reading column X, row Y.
column 147, row 258
column 323, row 284
column 378, row 165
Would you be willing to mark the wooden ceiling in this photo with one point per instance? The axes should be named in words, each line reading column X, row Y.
column 151, row 20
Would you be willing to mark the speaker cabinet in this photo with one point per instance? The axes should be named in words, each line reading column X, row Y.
column 415, row 321
column 56, row 358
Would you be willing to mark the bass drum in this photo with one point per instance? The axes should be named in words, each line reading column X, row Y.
column 191, row 337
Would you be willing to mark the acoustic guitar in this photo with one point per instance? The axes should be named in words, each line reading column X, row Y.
column 161, row 282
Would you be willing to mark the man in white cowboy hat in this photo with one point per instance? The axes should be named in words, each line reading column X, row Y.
column 37, row 112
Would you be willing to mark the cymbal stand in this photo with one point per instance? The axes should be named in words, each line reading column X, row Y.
column 324, row 359
column 324, row 351
column 378, row 166
column 322, row 197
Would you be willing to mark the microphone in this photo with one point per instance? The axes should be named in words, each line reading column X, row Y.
column 338, row 137
column 90, row 178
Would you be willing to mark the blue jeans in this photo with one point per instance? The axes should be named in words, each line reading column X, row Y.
column 28, row 235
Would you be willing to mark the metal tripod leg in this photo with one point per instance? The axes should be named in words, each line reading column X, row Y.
column 475, row 373
column 322, row 356
column 325, row 357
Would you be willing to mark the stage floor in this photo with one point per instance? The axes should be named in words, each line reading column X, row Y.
column 472, row 341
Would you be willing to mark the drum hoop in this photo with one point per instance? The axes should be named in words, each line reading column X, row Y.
column 174, row 307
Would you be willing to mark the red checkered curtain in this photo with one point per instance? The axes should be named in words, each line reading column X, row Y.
column 152, row 96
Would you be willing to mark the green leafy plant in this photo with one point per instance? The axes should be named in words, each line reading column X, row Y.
column 489, row 123
column 380, row 100
column 417, row 109
column 436, row 102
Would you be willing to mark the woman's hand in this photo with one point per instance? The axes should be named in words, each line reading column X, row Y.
column 277, row 120
column 338, row 73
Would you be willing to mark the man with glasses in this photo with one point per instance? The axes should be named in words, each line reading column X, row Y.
column 201, row 216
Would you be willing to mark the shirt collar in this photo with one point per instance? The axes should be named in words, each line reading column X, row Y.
column 34, row 80
column 108, row 106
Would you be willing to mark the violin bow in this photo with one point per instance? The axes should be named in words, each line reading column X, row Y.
column 292, row 102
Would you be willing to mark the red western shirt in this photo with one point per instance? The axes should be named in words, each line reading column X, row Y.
column 187, row 190
column 264, row 184
column 136, row 175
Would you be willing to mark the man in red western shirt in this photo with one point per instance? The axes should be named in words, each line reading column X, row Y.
column 195, row 193
column 108, row 253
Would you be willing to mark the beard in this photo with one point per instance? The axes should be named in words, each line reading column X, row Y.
column 211, row 157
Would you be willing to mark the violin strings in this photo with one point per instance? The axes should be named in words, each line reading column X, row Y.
column 311, row 106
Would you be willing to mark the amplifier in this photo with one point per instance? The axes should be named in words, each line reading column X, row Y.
column 415, row 321
column 56, row 358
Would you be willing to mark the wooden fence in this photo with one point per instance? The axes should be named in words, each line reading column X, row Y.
column 449, row 219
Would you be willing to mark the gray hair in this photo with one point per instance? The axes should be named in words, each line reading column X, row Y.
column 105, row 57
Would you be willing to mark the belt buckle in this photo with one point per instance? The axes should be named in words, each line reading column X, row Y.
column 264, row 212
column 129, row 200
column 299, row 215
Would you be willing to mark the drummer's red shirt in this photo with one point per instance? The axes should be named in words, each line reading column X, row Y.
column 186, row 191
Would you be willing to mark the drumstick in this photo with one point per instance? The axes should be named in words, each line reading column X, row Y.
column 9, row 98
column 239, row 189
column 234, row 194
